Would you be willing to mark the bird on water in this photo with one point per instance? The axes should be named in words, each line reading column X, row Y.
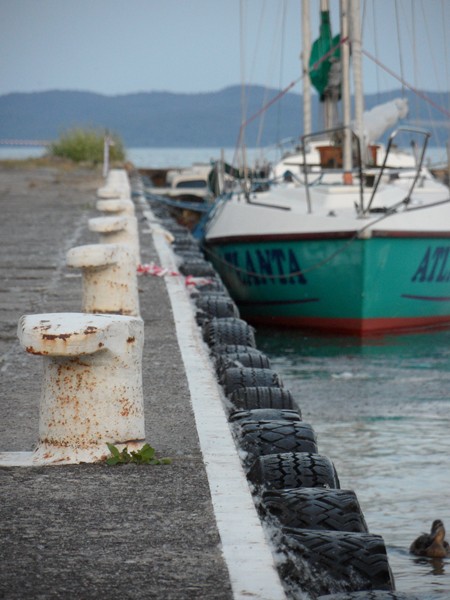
column 432, row 544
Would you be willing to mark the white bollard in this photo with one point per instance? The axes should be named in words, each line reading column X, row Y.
column 117, row 185
column 92, row 384
column 109, row 278
column 117, row 230
column 119, row 207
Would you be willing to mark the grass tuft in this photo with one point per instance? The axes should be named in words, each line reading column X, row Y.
column 86, row 145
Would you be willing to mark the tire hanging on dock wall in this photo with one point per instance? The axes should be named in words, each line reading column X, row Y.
column 335, row 561
column 248, row 398
column 293, row 470
column 315, row 508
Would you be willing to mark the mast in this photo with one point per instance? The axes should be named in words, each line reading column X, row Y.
column 355, row 37
column 306, row 50
column 346, row 109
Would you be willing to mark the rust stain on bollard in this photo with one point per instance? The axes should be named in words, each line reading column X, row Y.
column 61, row 336
column 31, row 350
column 90, row 329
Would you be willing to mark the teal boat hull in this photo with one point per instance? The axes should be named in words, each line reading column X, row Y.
column 358, row 286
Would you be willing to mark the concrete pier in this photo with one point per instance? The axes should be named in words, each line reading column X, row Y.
column 94, row 531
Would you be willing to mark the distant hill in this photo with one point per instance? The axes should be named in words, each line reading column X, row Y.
column 163, row 119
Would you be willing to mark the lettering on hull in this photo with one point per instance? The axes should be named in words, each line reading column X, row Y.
column 266, row 267
column 434, row 266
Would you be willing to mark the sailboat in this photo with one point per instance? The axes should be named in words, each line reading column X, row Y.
column 342, row 249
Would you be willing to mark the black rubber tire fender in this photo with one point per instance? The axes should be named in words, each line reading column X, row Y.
column 338, row 560
column 265, row 414
column 190, row 254
column 239, row 377
column 220, row 350
column 253, row 360
column 210, row 306
column 263, row 397
column 274, row 437
column 293, row 470
column 374, row 595
column 197, row 268
column 228, row 331
column 185, row 244
column 315, row 508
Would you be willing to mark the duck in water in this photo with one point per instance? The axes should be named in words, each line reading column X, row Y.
column 432, row 544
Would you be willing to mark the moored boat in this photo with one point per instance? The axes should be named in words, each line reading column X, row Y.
column 331, row 267
column 347, row 249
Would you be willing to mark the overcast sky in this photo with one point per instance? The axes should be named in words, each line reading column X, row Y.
column 124, row 46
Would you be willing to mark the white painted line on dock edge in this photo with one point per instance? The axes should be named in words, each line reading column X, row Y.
column 245, row 547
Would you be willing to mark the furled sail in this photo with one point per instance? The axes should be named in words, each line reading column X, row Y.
column 326, row 75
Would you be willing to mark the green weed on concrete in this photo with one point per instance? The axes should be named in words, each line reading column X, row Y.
column 143, row 456
column 86, row 145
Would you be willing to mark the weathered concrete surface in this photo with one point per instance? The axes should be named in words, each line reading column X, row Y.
column 92, row 531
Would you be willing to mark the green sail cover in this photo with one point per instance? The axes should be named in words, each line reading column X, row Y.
column 319, row 74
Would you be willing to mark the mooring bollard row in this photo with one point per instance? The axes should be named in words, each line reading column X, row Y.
column 109, row 278
column 116, row 206
column 92, row 384
column 119, row 229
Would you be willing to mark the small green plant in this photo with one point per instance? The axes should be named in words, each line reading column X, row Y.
column 87, row 145
column 144, row 456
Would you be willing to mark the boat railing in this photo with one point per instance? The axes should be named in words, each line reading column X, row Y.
column 418, row 167
column 334, row 133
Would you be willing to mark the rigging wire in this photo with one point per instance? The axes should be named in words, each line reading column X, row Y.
column 430, row 44
column 283, row 37
column 275, row 43
column 364, row 20
column 242, row 65
column 414, row 53
column 397, row 22
column 436, row 131
column 257, row 42
column 446, row 48
column 406, row 84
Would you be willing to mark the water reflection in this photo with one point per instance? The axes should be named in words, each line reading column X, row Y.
column 381, row 411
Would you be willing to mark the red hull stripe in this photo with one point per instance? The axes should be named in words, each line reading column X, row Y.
column 355, row 326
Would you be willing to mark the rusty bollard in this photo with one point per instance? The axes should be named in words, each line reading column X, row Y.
column 91, row 387
column 116, row 206
column 109, row 278
column 121, row 229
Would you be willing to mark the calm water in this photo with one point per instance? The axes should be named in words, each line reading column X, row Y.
column 382, row 414
column 182, row 157
column 157, row 158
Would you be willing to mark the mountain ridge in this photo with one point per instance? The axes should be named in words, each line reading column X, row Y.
column 170, row 119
